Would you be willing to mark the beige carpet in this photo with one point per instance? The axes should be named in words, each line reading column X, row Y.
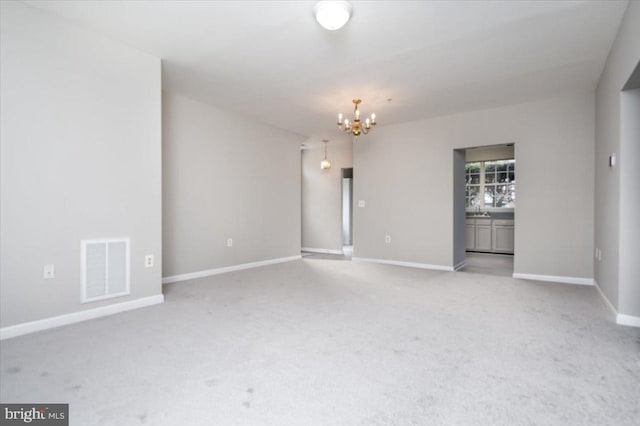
column 322, row 342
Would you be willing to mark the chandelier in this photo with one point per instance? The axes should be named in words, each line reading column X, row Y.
column 356, row 127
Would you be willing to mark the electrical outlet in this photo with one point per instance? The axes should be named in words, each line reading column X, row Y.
column 229, row 242
column 387, row 239
column 48, row 272
column 599, row 255
column 148, row 261
column 360, row 203
column 596, row 253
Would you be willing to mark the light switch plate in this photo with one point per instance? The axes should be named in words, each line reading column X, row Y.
column 360, row 203
column 229, row 242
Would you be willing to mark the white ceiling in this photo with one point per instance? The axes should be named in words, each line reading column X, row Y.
column 271, row 61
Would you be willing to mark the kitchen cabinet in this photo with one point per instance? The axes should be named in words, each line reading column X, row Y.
column 503, row 236
column 471, row 234
column 489, row 235
column 483, row 235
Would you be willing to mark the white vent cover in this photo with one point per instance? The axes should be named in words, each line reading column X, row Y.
column 105, row 268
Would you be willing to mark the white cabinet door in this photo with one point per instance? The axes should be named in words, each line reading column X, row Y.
column 503, row 239
column 483, row 236
column 471, row 237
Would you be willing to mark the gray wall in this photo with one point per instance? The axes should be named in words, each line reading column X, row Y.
column 629, row 296
column 81, row 144
column 322, row 194
column 225, row 176
column 623, row 58
column 490, row 153
column 405, row 175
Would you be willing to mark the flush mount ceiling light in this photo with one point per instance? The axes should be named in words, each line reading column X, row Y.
column 325, row 163
column 356, row 128
column 332, row 15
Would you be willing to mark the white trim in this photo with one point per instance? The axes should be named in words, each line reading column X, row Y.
column 554, row 279
column 407, row 264
column 52, row 322
column 621, row 319
column 460, row 265
column 216, row 271
column 628, row 320
column 320, row 250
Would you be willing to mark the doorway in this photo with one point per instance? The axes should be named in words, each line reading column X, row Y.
column 484, row 209
column 347, row 211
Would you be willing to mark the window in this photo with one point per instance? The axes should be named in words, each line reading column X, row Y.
column 491, row 184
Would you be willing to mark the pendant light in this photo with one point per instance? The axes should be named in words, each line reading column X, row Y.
column 325, row 163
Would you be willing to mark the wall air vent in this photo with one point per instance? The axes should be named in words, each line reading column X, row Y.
column 104, row 269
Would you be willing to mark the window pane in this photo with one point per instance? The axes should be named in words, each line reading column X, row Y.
column 474, row 179
column 502, row 177
column 512, row 165
column 512, row 177
column 489, row 166
column 472, row 168
column 511, row 196
column 473, row 198
column 500, row 193
column 489, row 195
column 490, row 178
column 501, row 166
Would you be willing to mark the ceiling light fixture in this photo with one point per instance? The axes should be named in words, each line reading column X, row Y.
column 325, row 164
column 332, row 15
column 356, row 127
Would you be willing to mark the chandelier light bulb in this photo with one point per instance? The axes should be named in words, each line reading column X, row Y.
column 332, row 15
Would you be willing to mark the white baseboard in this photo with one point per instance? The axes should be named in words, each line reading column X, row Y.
column 320, row 250
column 554, row 279
column 407, row 264
column 459, row 265
column 621, row 319
column 217, row 271
column 628, row 320
column 53, row 322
